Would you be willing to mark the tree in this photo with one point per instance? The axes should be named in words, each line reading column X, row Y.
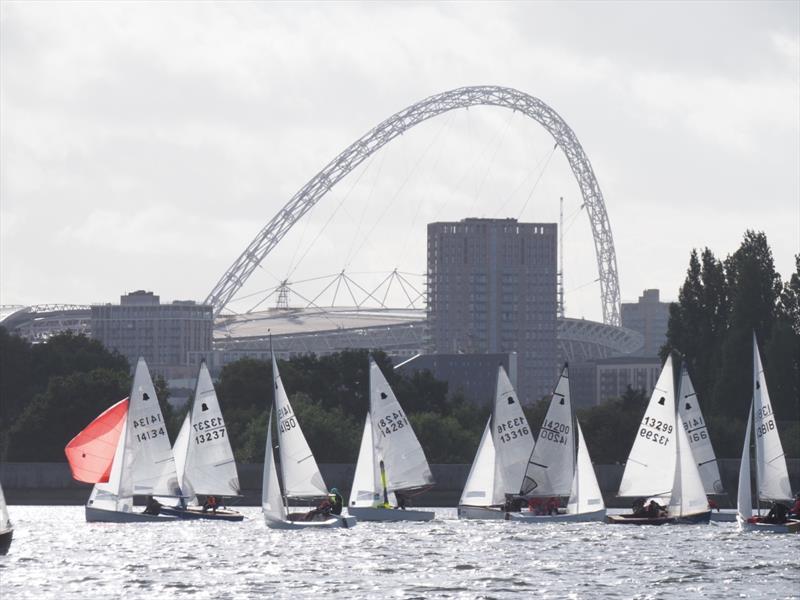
column 55, row 416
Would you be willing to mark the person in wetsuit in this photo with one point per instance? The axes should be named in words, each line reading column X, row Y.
column 336, row 501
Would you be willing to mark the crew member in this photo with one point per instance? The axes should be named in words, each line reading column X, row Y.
column 336, row 501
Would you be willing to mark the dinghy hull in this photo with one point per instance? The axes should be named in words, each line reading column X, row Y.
column 5, row 541
column 333, row 522
column 527, row 517
column 367, row 513
column 196, row 512
column 791, row 526
column 485, row 513
column 99, row 515
column 630, row 519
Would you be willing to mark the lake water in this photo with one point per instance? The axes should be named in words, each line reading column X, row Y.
column 56, row 554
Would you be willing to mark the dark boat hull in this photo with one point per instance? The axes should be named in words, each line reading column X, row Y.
column 5, row 541
column 630, row 519
column 196, row 512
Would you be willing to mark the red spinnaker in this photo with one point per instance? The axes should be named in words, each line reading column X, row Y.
column 91, row 452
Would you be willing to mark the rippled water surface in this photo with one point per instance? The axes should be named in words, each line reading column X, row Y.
column 55, row 554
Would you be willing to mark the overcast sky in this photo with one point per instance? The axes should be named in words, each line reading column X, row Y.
column 144, row 145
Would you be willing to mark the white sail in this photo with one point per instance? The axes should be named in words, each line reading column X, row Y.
column 744, row 497
column 149, row 467
column 301, row 476
column 394, row 440
column 551, row 465
column 688, row 496
column 695, row 426
column 650, row 468
column 179, row 450
column 479, row 489
column 5, row 521
column 271, row 498
column 585, row 495
column 773, row 477
column 512, row 439
column 107, row 495
column 210, row 468
column 364, row 492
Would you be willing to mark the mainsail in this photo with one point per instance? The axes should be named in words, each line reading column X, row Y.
column 650, row 470
column 91, row 453
column 209, row 467
column 301, row 476
column 551, row 465
column 149, row 467
column 394, row 442
column 697, row 433
column 771, row 472
column 511, row 437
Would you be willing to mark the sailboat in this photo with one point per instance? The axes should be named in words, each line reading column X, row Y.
column 6, row 530
column 697, row 432
column 125, row 452
column 502, row 457
column 299, row 471
column 557, row 468
column 661, row 464
column 772, row 477
column 700, row 441
column 204, row 459
column 391, row 462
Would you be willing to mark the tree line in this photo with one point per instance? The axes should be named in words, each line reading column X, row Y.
column 52, row 390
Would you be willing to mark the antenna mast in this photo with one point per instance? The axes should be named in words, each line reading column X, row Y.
column 560, row 275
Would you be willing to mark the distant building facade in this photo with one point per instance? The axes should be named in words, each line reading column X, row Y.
column 492, row 289
column 166, row 335
column 472, row 375
column 650, row 317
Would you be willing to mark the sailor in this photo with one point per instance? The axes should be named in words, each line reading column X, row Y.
column 777, row 514
column 552, row 506
column 211, row 502
column 794, row 511
column 712, row 503
column 153, row 507
column 336, row 501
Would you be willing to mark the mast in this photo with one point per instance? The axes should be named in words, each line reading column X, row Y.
column 753, row 409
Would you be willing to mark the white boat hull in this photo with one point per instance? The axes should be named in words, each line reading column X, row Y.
column 484, row 513
column 528, row 517
column 99, row 515
column 368, row 513
column 332, row 522
column 791, row 526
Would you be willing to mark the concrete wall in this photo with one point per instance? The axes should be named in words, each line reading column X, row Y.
column 51, row 483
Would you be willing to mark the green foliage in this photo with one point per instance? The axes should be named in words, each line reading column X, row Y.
column 28, row 378
column 610, row 428
column 330, row 396
column 55, row 416
column 720, row 305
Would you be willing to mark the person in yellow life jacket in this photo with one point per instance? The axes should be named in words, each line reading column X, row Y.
column 336, row 501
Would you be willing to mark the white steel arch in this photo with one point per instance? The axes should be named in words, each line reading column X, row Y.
column 376, row 138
